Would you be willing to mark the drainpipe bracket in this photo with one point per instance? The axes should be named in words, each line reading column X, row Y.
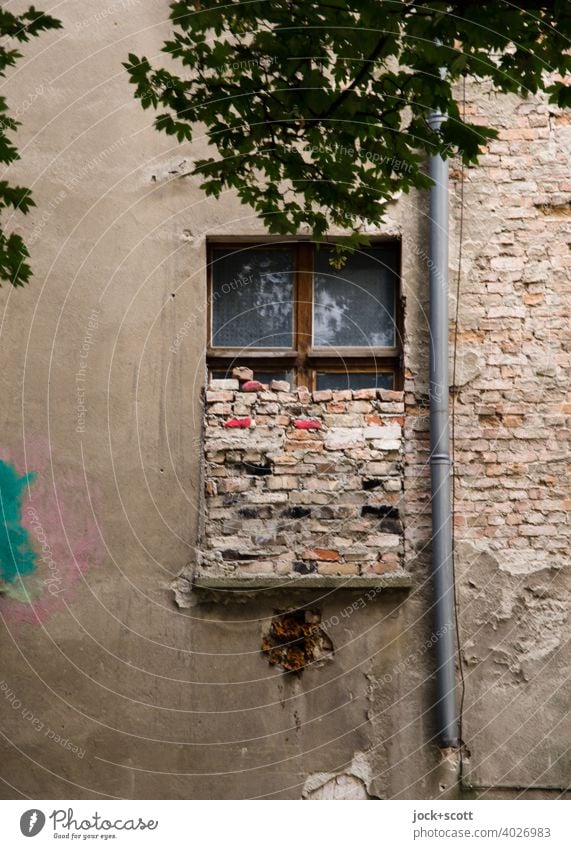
column 435, row 120
column 440, row 460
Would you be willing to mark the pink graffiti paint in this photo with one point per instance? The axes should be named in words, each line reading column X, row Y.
column 252, row 386
column 307, row 424
column 239, row 423
column 58, row 516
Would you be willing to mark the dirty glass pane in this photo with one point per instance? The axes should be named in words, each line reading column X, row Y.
column 355, row 306
column 355, row 380
column 252, row 298
column 268, row 376
column 262, row 376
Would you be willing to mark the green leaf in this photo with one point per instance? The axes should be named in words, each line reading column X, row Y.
column 316, row 112
column 14, row 267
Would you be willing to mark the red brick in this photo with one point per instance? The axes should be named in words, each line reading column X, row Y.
column 307, row 424
column 243, row 423
column 364, row 394
column 390, row 395
column 242, row 373
column 322, row 395
column 374, row 418
column 321, row 554
column 214, row 396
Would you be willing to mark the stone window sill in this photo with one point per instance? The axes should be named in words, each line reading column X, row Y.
column 286, row 583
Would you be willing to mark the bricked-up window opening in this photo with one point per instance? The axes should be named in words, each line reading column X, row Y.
column 284, row 311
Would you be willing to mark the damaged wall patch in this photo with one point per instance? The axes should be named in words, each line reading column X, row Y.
column 295, row 640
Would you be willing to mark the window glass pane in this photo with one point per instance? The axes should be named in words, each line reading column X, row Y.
column 262, row 376
column 355, row 380
column 268, row 376
column 252, row 298
column 355, row 306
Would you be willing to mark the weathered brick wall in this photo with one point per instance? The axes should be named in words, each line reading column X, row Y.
column 511, row 416
column 300, row 482
column 512, row 442
column 512, row 412
column 511, row 398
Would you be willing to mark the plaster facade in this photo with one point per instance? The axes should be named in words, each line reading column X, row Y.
column 114, row 686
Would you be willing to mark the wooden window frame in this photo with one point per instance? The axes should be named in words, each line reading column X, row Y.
column 303, row 359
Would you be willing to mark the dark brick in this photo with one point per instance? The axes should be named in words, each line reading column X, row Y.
column 340, row 511
column 249, row 512
column 325, row 513
column 257, row 469
column 295, row 512
column 231, row 554
column 263, row 512
column 380, row 510
column 304, row 568
column 391, row 526
column 371, row 483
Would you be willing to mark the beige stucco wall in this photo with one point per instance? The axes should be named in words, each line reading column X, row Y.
column 156, row 700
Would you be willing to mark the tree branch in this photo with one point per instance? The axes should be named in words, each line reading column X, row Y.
column 365, row 68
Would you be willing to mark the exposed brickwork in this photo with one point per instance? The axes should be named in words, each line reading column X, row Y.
column 312, row 484
column 512, row 419
column 511, row 394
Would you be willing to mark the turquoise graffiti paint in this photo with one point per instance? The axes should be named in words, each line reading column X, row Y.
column 17, row 557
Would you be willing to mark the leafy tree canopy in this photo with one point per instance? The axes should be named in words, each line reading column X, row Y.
column 318, row 111
column 13, row 29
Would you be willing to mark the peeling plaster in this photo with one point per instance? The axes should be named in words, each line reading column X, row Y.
column 468, row 367
column 353, row 783
column 512, row 621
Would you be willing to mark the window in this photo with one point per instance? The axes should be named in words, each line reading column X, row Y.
column 285, row 312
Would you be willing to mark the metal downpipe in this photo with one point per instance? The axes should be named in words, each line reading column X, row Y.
column 442, row 567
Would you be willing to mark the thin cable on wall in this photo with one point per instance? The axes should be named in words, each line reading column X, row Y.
column 453, row 445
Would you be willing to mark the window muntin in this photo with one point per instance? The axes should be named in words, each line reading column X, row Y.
column 314, row 321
